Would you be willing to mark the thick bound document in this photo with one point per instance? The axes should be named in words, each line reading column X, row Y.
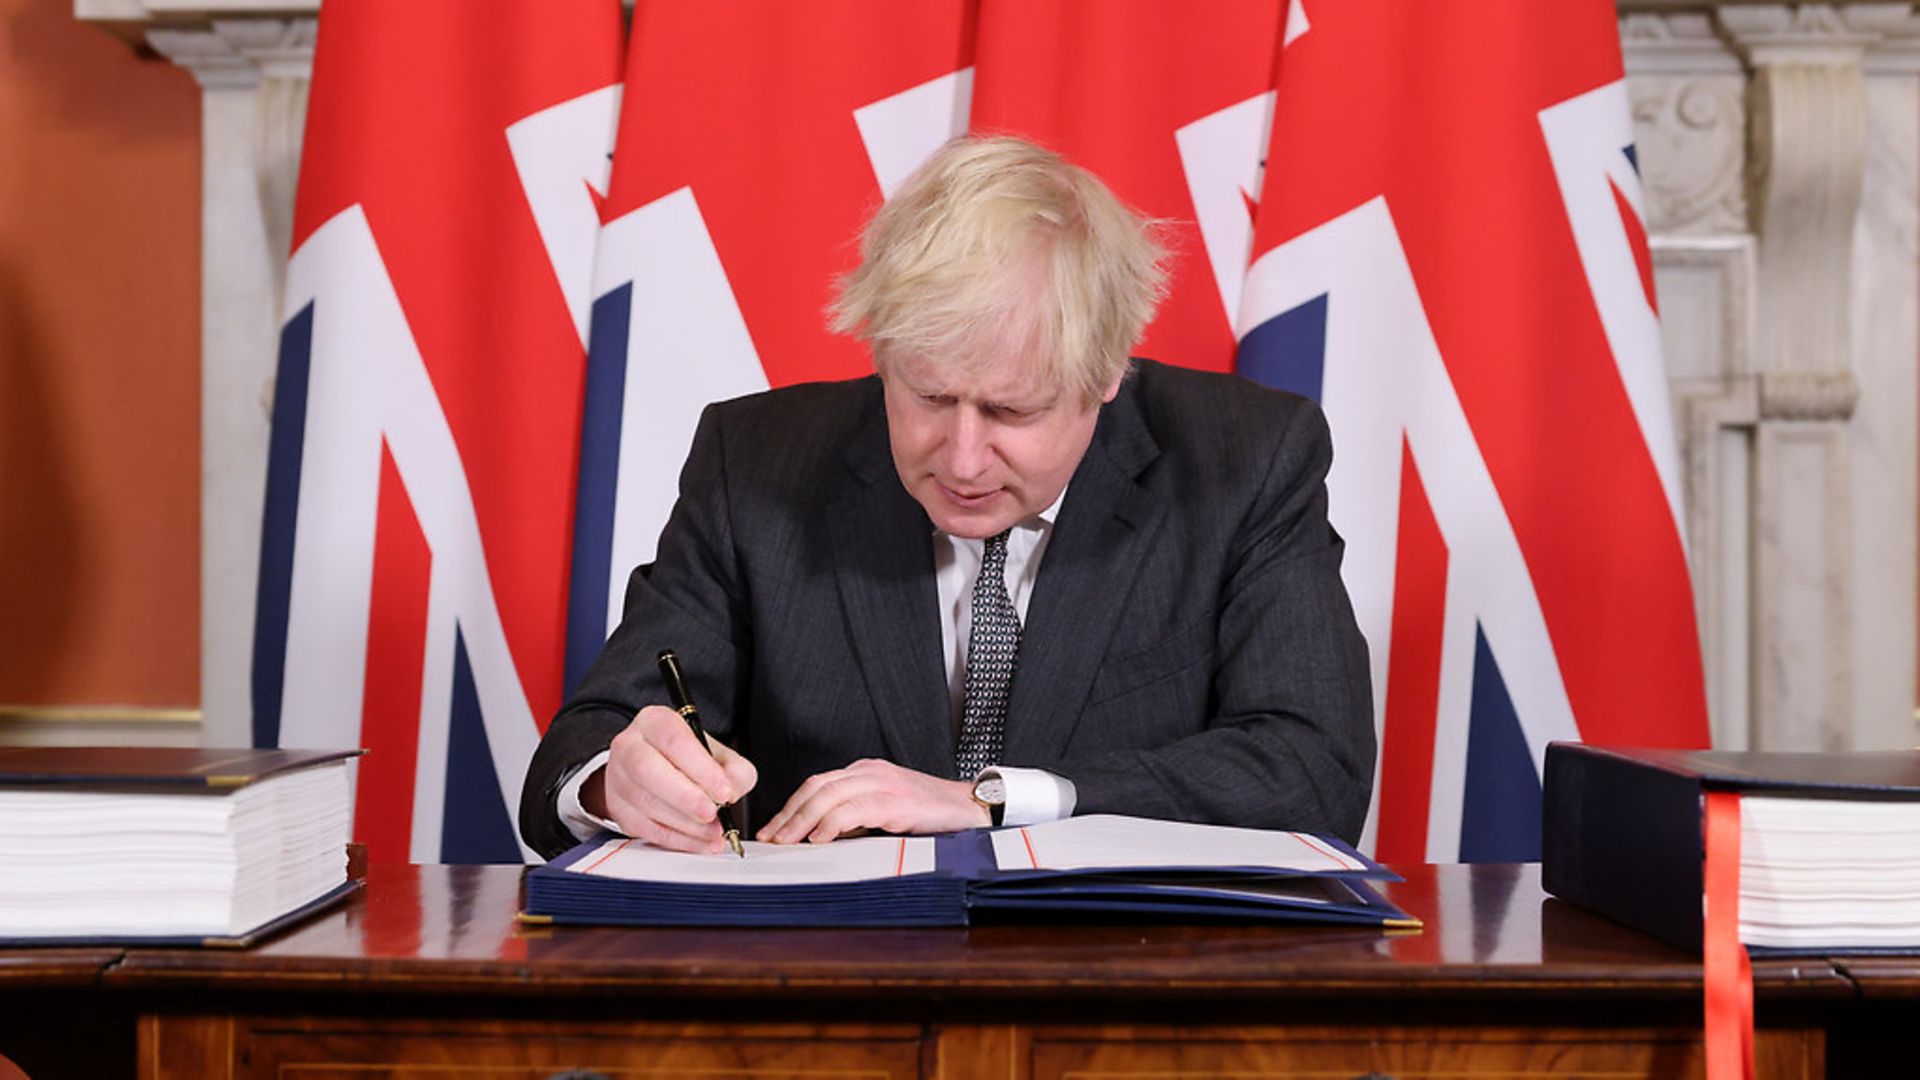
column 1094, row 864
column 168, row 845
column 1829, row 843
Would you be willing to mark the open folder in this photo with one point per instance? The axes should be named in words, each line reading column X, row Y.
column 1096, row 864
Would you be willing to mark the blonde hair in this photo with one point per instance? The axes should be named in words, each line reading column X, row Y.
column 997, row 243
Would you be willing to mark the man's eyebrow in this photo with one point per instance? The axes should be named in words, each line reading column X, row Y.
column 1030, row 403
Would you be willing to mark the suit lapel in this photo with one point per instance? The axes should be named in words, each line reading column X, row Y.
column 883, row 551
column 1104, row 528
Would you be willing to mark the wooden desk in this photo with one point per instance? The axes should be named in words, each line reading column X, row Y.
column 426, row 975
column 47, row 997
column 1874, row 1036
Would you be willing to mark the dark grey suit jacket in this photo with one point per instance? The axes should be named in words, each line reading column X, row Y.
column 1189, row 651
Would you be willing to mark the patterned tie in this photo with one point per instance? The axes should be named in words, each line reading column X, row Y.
column 993, row 644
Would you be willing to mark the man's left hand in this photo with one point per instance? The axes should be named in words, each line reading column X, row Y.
column 874, row 794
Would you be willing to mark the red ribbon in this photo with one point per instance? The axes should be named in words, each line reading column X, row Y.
column 1729, row 973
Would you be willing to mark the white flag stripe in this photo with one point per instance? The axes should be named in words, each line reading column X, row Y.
column 1221, row 157
column 376, row 386
column 1296, row 22
column 902, row 130
column 338, row 271
column 687, row 346
column 559, row 152
column 1586, row 138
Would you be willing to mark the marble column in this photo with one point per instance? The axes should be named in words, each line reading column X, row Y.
column 254, row 74
column 1884, row 450
column 1833, row 595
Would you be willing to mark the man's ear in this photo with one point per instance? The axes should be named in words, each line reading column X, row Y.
column 1113, row 388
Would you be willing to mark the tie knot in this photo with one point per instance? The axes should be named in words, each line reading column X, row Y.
column 993, row 558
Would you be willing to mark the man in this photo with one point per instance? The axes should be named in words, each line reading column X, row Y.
column 1160, row 629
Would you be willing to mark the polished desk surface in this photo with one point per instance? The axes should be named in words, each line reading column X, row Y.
column 1489, row 931
column 22, row 969
column 1882, row 976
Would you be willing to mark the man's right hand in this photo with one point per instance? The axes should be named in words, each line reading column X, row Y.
column 660, row 785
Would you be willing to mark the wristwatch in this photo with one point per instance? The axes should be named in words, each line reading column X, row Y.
column 991, row 792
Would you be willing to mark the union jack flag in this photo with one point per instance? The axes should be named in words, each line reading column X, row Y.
column 1449, row 253
column 412, row 583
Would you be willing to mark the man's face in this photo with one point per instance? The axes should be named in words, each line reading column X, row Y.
column 981, row 450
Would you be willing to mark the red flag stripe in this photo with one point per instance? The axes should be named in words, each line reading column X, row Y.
column 396, row 651
column 1413, row 673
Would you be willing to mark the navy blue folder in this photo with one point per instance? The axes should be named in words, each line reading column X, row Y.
column 966, row 884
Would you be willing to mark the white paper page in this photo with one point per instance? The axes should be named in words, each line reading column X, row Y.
column 861, row 859
column 1816, row 852
column 1103, row 841
column 1787, row 813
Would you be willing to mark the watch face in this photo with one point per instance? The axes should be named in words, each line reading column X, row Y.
column 991, row 791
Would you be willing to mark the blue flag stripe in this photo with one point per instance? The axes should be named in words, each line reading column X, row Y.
column 475, row 826
column 272, row 598
column 599, row 482
column 1288, row 351
column 1500, row 815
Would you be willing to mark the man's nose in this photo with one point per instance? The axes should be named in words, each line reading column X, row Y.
column 969, row 445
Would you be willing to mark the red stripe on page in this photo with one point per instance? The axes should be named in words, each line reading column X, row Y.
column 617, row 849
column 1330, row 851
column 900, row 865
column 1031, row 857
column 396, row 656
column 1413, row 673
column 1729, row 971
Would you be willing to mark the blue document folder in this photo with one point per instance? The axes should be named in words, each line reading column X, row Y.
column 1082, row 867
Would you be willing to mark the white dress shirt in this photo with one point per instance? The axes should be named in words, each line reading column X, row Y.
column 1033, row 795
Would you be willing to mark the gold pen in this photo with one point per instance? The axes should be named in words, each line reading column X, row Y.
column 677, row 691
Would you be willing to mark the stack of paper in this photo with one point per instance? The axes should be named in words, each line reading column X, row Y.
column 1829, row 873
column 187, row 844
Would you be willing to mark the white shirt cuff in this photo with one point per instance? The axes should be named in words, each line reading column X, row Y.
column 575, row 817
column 1033, row 795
